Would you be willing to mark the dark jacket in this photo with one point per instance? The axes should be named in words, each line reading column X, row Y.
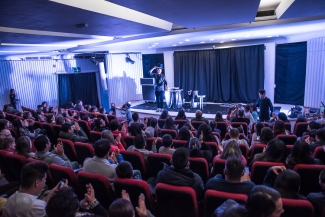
column 160, row 81
column 183, row 177
column 266, row 107
column 81, row 137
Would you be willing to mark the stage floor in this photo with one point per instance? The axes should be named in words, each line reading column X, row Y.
column 148, row 109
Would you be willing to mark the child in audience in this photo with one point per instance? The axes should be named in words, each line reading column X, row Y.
column 167, row 143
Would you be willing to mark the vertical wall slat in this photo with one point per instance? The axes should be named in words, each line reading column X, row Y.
column 315, row 73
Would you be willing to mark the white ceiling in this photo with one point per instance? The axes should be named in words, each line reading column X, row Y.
column 151, row 40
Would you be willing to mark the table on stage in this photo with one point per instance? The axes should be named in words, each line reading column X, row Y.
column 175, row 98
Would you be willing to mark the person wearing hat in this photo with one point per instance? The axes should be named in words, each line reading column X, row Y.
column 160, row 85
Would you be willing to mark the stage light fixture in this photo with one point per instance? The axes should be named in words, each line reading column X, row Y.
column 92, row 59
column 128, row 59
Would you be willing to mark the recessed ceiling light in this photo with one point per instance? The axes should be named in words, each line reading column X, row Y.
column 180, row 42
column 233, row 39
column 269, row 36
column 221, row 42
column 247, row 36
column 202, row 42
column 224, row 36
column 211, row 39
column 174, row 44
column 187, row 40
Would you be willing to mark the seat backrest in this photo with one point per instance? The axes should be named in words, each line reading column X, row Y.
column 222, row 126
column 176, row 201
column 135, row 188
column 57, row 129
column 288, row 126
column 14, row 133
column 136, row 159
column 50, row 132
column 287, row 139
column 60, row 172
column 104, row 117
column 214, row 147
column 111, row 117
column 259, row 170
column 300, row 128
column 129, row 140
column 69, row 149
column 289, row 148
column 200, row 166
column 319, row 153
column 309, row 175
column 180, row 123
column 4, row 168
column 244, row 150
column 161, row 122
column 149, row 142
column 85, row 126
column 257, row 148
column 155, row 163
column 15, row 164
column 171, row 132
column 297, row 208
column 218, row 166
column 238, row 124
column 37, row 124
column 104, row 191
column 253, row 128
column 213, row 199
column 196, row 124
column 95, row 136
column 83, row 150
column 179, row 143
column 217, row 134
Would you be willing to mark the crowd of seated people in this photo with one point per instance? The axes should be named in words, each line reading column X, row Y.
column 283, row 180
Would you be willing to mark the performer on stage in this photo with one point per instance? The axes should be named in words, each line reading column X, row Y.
column 265, row 105
column 160, row 85
column 13, row 99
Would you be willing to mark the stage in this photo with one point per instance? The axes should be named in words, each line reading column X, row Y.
column 148, row 109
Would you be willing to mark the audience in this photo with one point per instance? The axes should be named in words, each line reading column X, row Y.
column 213, row 126
column 218, row 117
column 318, row 199
column 198, row 117
column 8, row 144
column 4, row 132
column 256, row 136
column 136, row 127
column 57, row 156
column 25, row 202
column 100, row 164
column 198, row 148
column 140, row 146
column 236, row 180
column 179, row 174
column 72, row 131
column 320, row 139
column 23, row 147
column 279, row 128
column 100, row 125
column 181, row 115
column 167, row 142
column 164, row 114
column 169, row 124
column 22, row 127
column 234, row 135
column 232, row 149
column 115, row 143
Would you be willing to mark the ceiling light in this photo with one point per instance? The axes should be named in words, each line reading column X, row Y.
column 211, row 39
column 180, row 42
column 269, row 36
column 224, row 36
column 202, row 42
column 174, row 44
column 187, row 39
column 247, row 36
column 233, row 39
column 221, row 42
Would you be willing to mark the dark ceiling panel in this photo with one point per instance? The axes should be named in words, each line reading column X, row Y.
column 32, row 39
column 196, row 13
column 50, row 16
column 303, row 8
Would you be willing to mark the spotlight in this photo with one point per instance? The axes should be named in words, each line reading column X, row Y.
column 129, row 60
column 92, row 59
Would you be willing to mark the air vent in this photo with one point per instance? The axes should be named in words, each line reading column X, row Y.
column 31, row 58
column 265, row 15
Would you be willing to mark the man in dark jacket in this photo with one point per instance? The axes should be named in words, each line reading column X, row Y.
column 72, row 131
column 180, row 175
column 265, row 105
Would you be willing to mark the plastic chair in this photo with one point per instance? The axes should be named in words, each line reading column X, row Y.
column 176, row 201
column 213, row 199
column 104, row 191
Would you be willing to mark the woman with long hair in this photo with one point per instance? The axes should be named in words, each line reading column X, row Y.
column 300, row 154
column 279, row 128
column 200, row 149
column 256, row 136
column 232, row 149
column 23, row 147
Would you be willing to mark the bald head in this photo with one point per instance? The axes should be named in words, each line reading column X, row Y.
column 198, row 114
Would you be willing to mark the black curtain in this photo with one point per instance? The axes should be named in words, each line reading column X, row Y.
column 223, row 75
column 290, row 73
column 149, row 61
column 81, row 86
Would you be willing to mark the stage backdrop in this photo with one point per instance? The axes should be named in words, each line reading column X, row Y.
column 151, row 60
column 223, row 75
